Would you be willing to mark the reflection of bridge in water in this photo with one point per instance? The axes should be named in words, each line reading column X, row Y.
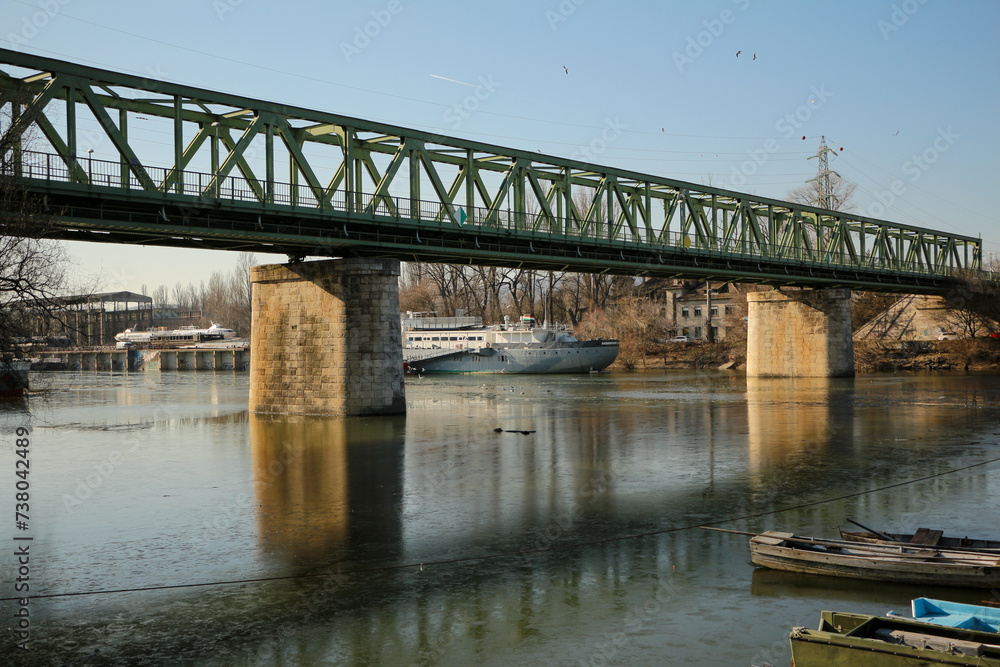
column 446, row 487
column 520, row 536
column 442, row 482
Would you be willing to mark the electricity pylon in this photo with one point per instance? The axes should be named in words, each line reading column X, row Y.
column 826, row 197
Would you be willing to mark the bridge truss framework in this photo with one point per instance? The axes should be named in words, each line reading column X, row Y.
column 217, row 185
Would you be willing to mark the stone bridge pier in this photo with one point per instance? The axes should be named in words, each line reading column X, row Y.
column 326, row 338
column 800, row 333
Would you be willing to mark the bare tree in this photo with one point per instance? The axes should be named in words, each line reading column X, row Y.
column 973, row 306
column 161, row 296
column 634, row 321
column 811, row 194
column 240, row 294
column 32, row 268
column 418, row 298
column 968, row 322
column 225, row 299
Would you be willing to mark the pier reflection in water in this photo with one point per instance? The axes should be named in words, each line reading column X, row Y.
column 793, row 418
column 326, row 486
column 433, row 539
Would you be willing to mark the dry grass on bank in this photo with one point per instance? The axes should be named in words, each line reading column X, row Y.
column 967, row 354
column 683, row 355
column 869, row 356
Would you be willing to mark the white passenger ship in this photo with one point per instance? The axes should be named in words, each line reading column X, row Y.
column 464, row 345
column 162, row 335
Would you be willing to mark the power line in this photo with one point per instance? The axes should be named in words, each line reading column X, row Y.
column 506, row 554
column 347, row 86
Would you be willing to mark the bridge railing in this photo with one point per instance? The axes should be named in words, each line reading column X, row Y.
column 98, row 173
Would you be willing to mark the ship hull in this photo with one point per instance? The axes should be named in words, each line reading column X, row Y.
column 14, row 378
column 580, row 357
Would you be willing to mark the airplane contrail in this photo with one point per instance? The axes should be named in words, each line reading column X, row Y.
column 453, row 80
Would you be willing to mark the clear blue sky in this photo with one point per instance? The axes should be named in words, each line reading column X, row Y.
column 889, row 81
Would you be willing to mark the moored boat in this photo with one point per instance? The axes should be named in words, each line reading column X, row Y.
column 923, row 536
column 13, row 377
column 956, row 614
column 464, row 345
column 845, row 639
column 880, row 562
column 164, row 336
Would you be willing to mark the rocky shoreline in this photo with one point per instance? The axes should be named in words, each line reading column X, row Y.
column 980, row 354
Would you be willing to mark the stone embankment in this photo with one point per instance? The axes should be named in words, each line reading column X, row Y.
column 976, row 354
column 980, row 354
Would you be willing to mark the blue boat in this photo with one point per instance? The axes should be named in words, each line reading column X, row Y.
column 956, row 614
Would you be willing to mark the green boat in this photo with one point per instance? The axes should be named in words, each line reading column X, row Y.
column 847, row 640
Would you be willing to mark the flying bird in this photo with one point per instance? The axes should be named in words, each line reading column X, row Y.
column 755, row 56
column 897, row 132
column 565, row 69
column 738, row 53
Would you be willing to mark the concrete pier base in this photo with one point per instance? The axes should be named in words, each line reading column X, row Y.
column 800, row 333
column 326, row 339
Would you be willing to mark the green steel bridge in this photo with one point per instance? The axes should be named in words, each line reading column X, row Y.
column 235, row 173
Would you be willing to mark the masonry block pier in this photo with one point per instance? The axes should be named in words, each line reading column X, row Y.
column 800, row 333
column 326, row 338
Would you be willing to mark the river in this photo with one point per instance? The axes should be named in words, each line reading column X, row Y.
column 568, row 537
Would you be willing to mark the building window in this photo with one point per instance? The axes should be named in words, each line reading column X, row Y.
column 697, row 312
column 715, row 311
column 730, row 310
column 715, row 333
column 684, row 312
column 697, row 332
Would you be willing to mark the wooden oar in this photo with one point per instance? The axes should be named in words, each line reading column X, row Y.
column 729, row 530
column 890, row 538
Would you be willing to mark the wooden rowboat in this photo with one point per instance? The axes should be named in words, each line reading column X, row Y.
column 923, row 536
column 880, row 562
column 956, row 614
column 845, row 640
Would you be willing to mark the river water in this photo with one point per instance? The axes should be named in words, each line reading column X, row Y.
column 433, row 539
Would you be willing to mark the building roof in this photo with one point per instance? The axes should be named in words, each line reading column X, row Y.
column 104, row 297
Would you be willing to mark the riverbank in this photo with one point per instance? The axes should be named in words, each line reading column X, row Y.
column 869, row 356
